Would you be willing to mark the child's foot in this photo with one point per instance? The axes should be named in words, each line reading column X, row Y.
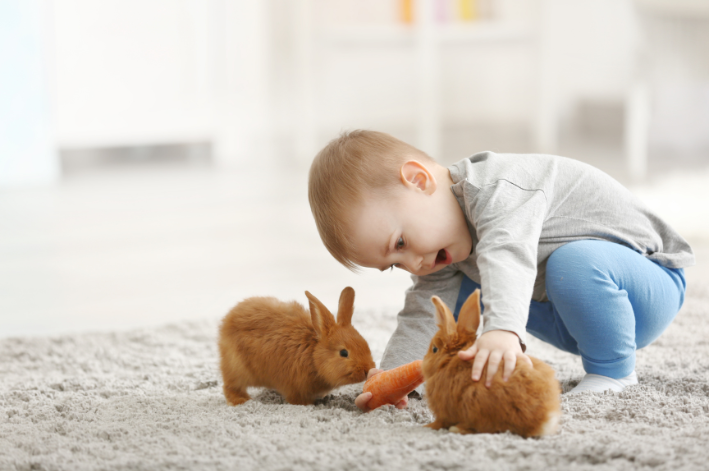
column 598, row 383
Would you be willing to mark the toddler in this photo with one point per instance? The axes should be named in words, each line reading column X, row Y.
column 559, row 249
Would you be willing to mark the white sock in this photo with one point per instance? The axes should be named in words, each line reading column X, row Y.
column 598, row 383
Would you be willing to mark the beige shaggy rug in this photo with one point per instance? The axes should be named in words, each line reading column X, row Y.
column 151, row 399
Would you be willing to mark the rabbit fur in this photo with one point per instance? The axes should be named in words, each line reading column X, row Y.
column 280, row 345
column 528, row 404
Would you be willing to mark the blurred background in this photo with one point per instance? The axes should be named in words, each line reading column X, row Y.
column 154, row 153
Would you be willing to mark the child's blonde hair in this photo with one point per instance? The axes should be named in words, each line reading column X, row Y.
column 343, row 170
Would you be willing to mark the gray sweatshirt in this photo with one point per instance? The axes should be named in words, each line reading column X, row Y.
column 519, row 209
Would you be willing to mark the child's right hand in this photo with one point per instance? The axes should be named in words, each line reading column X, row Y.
column 363, row 399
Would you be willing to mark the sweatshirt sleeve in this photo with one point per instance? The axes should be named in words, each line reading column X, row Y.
column 508, row 221
column 416, row 323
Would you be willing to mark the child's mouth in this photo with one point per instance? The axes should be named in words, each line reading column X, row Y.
column 443, row 257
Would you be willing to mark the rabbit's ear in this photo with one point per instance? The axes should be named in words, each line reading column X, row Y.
column 345, row 307
column 444, row 317
column 322, row 319
column 469, row 317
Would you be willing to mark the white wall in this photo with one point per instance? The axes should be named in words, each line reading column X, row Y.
column 134, row 72
column 131, row 72
column 594, row 44
column 27, row 154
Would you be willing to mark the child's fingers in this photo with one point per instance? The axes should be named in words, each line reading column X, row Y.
column 526, row 358
column 479, row 363
column 403, row 403
column 362, row 400
column 493, row 363
column 510, row 362
column 373, row 372
column 469, row 353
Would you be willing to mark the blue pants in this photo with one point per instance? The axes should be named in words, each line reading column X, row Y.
column 605, row 301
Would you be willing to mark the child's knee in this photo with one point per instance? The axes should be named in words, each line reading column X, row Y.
column 571, row 267
column 574, row 255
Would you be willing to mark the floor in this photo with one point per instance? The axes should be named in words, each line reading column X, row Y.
column 145, row 246
column 148, row 244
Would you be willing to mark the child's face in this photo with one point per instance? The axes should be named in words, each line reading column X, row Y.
column 415, row 230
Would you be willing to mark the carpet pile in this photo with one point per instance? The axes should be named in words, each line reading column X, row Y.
column 151, row 399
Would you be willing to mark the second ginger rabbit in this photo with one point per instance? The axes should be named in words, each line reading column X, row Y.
column 528, row 404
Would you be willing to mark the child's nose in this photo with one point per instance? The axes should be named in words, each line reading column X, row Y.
column 413, row 263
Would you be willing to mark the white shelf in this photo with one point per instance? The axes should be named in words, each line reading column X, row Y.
column 370, row 35
column 402, row 34
column 485, row 31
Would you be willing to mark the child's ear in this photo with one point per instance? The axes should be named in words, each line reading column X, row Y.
column 416, row 176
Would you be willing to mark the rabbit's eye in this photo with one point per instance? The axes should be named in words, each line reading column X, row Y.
column 435, row 349
column 344, row 353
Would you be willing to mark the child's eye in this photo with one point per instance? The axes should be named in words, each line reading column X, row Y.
column 400, row 243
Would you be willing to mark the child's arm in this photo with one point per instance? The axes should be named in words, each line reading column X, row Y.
column 415, row 325
column 415, row 322
column 508, row 221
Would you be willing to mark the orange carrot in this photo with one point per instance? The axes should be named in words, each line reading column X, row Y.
column 391, row 386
